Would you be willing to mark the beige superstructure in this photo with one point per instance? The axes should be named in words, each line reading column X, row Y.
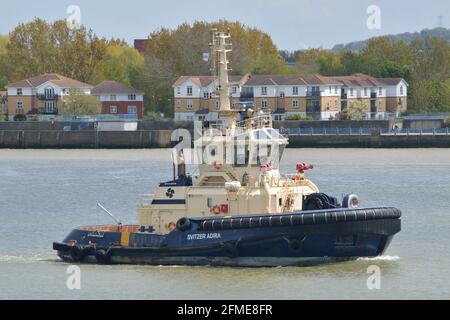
column 238, row 169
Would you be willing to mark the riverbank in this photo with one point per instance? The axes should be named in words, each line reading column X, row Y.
column 143, row 139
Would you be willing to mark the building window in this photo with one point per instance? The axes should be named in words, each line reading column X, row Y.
column 264, row 91
column 264, row 104
column 132, row 109
column 178, row 90
column 49, row 92
column 131, row 97
column 295, row 104
column 19, row 107
column 365, row 91
column 234, row 90
column 401, row 90
column 49, row 107
column 189, row 104
column 178, row 103
column 217, row 104
column 19, row 91
column 294, row 91
column 351, row 92
column 189, row 91
column 206, row 95
column 113, row 97
column 380, row 91
column 113, row 109
column 282, row 94
column 335, row 89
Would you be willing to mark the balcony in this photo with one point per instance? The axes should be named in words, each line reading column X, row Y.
column 48, row 111
column 47, row 97
column 246, row 96
column 312, row 94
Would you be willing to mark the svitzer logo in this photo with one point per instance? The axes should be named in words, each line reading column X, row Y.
column 169, row 193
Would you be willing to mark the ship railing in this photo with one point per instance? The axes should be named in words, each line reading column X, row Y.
column 256, row 122
column 146, row 200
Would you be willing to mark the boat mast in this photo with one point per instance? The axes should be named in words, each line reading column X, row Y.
column 220, row 46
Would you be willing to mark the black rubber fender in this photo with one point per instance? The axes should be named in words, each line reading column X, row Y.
column 102, row 256
column 77, row 253
column 183, row 224
column 295, row 245
column 317, row 201
column 230, row 250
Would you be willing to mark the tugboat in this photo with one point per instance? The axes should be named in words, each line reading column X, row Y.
column 238, row 210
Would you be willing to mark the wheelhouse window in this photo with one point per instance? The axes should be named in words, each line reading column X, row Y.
column 189, row 91
column 132, row 97
column 295, row 91
column 19, row 91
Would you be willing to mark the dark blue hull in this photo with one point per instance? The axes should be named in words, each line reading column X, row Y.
column 296, row 239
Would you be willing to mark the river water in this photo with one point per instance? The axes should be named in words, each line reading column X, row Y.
column 45, row 193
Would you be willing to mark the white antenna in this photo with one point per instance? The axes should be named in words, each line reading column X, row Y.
column 119, row 223
column 220, row 46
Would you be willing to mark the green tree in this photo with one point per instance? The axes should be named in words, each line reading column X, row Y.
column 79, row 103
column 356, row 110
column 4, row 65
column 39, row 47
column 172, row 53
column 120, row 63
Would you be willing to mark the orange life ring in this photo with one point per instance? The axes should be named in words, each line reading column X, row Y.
column 216, row 209
column 217, row 164
column 171, row 225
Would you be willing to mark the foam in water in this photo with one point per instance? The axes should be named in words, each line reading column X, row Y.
column 380, row 258
column 26, row 258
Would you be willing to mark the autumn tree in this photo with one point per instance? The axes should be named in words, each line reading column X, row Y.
column 172, row 53
column 120, row 63
column 4, row 65
column 79, row 103
column 39, row 47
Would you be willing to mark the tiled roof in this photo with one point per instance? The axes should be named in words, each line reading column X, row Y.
column 55, row 78
column 272, row 80
column 357, row 79
column 390, row 81
column 204, row 81
column 109, row 87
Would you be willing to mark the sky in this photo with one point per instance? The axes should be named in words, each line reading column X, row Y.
column 292, row 24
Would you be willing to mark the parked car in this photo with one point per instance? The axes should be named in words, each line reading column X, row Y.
column 20, row 117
